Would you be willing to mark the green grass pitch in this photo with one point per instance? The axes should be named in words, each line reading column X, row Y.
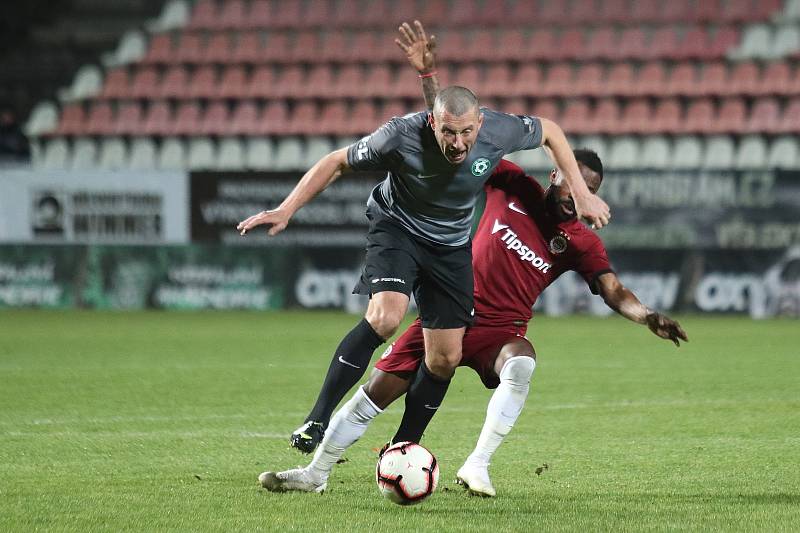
column 163, row 421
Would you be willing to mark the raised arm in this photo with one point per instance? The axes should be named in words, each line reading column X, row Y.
column 322, row 174
column 421, row 54
column 588, row 206
column 623, row 301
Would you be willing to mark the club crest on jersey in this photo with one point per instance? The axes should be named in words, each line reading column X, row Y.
column 480, row 166
column 558, row 244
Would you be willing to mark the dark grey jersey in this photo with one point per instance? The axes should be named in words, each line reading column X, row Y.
column 424, row 192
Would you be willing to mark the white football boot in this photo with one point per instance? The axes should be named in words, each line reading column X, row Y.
column 476, row 480
column 296, row 479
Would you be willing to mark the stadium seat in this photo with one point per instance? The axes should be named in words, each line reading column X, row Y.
column 542, row 43
column 288, row 154
column 172, row 155
column 190, row 48
column 290, row 82
column 667, row 116
column 245, row 119
column 745, row 79
column 631, row 44
column 100, row 119
column 614, row 11
column 731, row 117
column 276, row 49
column 84, row 154
column 589, row 80
column 558, row 80
column 619, row 81
column 56, row 154
column 286, row 14
column 663, row 43
column 86, row 84
column 724, row 40
column 570, row 44
column 304, row 119
column 713, row 79
column 498, row 80
column 232, row 15
column 512, row 44
column 318, row 83
column 786, row 41
column 316, row 148
column 755, row 43
column 231, row 154
column 468, row 75
column 526, row 82
column 523, row 13
column 215, row 120
column 700, row 116
column 719, row 154
column 480, row 47
column 317, row 13
column 158, row 119
column 784, row 152
column 233, row 83
column 674, row 11
column 576, row 117
column 765, row 116
column 201, row 155
column 791, row 11
column 335, row 48
column 362, row 47
column 544, row 108
column 113, row 154
column 258, row 153
column 219, row 49
column 143, row 154
column 43, row 119
column 682, row 80
column 187, row 119
column 275, row 119
column 693, row 44
column 174, row 83
column 116, row 84
column 637, row 117
column 73, row 120
column 333, row 119
column 261, row 84
column 247, row 48
column 392, row 108
column 687, row 152
column 602, row 44
column 776, row 79
column 450, row 46
column 752, row 153
column 348, row 83
column 737, row 11
column 160, row 50
column 129, row 120
column 597, row 143
column 651, row 80
column 790, row 120
column 144, row 83
column 706, row 11
column 305, row 48
column 363, row 119
column 175, row 14
column 624, row 153
column 204, row 15
column 259, row 15
column 655, row 152
column 606, row 117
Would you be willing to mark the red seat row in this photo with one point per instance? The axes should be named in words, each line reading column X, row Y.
column 578, row 116
column 495, row 81
column 607, row 44
column 238, row 14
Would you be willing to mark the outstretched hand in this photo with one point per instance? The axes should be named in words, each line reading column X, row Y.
column 420, row 51
column 593, row 210
column 666, row 328
column 276, row 218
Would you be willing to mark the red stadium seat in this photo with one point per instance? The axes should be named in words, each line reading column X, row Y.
column 219, row 49
column 304, row 119
column 233, row 15
column 392, row 108
column 363, row 119
column 346, row 14
column 174, row 83
column 765, row 117
column 306, row 47
column 261, row 84
column 606, row 117
column 116, row 84
column 144, row 83
column 464, row 13
column 706, row 11
column 100, row 119
column 544, row 108
column 738, row 11
column 619, row 81
column 631, row 44
column 204, row 15
column 553, row 13
column 576, row 116
column 542, row 43
column 589, row 80
column 434, row 10
column 651, row 80
column 637, row 117
column 215, row 120
column 663, row 43
column 516, row 106
column 523, row 13
column 190, row 49
column 276, row 49
column 259, row 16
column 128, row 120
column 674, row 11
column 247, row 49
column 349, row 82
column 570, row 44
column 317, row 13
column 275, row 120
column 667, row 116
column 494, row 13
column 713, row 79
column 371, row 13
column 745, row 78
column 452, row 46
column 287, row 14
column 158, row 119
column 724, row 40
column 644, row 11
column 512, row 43
column 362, row 47
column 776, row 79
column 245, row 119
column 468, row 76
column 290, row 82
column 160, row 50
column 333, row 119
column 480, row 47
column 585, row 11
column 318, row 83
column 700, row 115
column 498, row 80
column 765, row 9
column 72, row 121
column 790, row 120
column 187, row 119
column 335, row 47
column 693, row 44
column 602, row 44
column 203, row 83
column 233, row 83
column 527, row 82
column 558, row 80
column 378, row 81
column 682, row 80
column 614, row 11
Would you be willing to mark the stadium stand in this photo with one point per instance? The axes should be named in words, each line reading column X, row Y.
column 266, row 83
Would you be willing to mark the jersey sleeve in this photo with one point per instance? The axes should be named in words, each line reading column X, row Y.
column 593, row 263
column 378, row 150
column 521, row 132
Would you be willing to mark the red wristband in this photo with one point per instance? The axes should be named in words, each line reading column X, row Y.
column 428, row 74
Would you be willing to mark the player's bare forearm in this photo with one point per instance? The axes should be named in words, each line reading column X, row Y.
column 430, row 88
column 317, row 179
column 623, row 301
column 559, row 150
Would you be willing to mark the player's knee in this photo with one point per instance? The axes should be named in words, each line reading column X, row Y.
column 517, row 371
column 385, row 322
column 443, row 363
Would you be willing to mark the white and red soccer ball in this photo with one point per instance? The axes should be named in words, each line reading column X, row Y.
column 407, row 473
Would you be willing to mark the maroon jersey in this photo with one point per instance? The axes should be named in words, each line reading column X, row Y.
column 519, row 248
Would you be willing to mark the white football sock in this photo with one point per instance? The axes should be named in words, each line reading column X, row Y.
column 504, row 408
column 346, row 427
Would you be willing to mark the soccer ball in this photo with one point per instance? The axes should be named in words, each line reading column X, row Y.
column 407, row 473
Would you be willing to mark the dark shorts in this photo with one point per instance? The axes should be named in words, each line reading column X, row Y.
column 480, row 348
column 440, row 277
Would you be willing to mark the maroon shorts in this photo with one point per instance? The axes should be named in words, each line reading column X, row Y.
column 480, row 348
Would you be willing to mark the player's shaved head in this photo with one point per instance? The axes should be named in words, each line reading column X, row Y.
column 455, row 100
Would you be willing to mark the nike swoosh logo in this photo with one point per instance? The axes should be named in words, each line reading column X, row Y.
column 517, row 209
column 347, row 363
column 498, row 226
column 432, row 408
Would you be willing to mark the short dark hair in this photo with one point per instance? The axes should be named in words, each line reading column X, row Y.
column 456, row 100
column 590, row 159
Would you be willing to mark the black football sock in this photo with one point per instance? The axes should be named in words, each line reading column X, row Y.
column 423, row 398
column 349, row 363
